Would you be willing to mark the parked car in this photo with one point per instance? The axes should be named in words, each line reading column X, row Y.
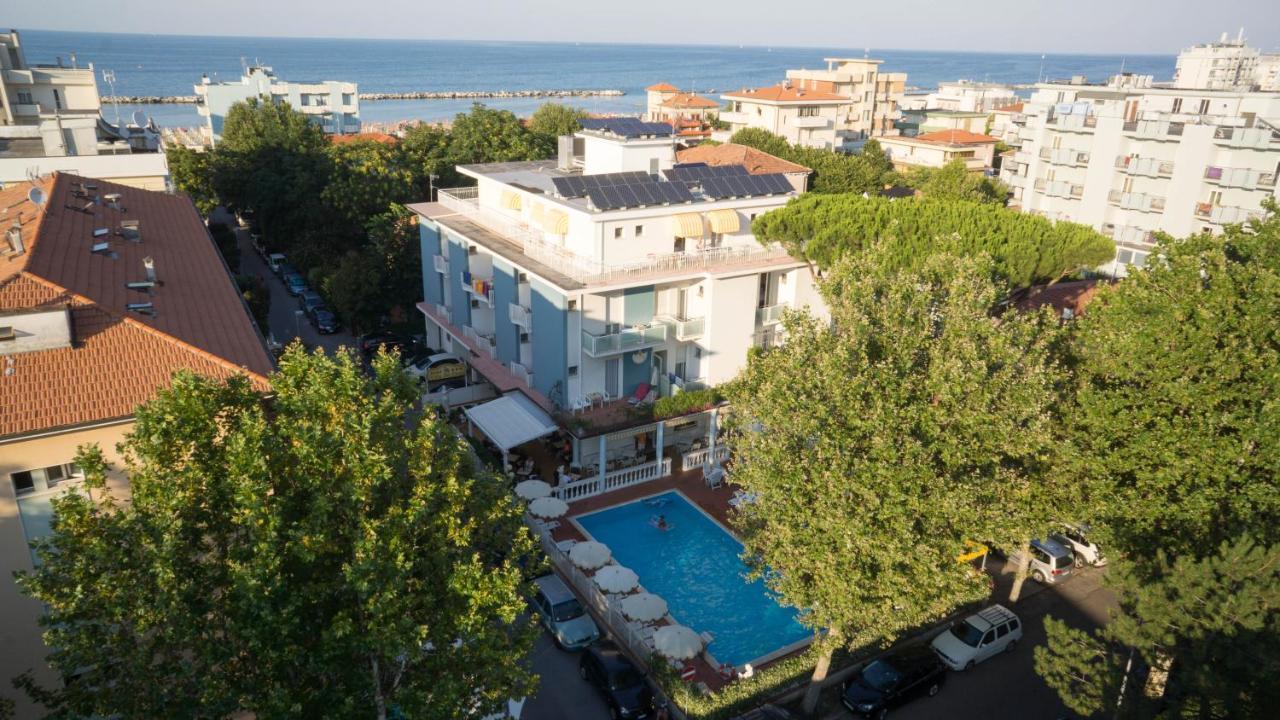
column 1051, row 561
column 438, row 369
column 408, row 347
column 894, row 679
column 970, row 641
column 1085, row 550
column 310, row 301
column 295, row 284
column 276, row 261
column 258, row 246
column 562, row 614
column 619, row 682
column 325, row 321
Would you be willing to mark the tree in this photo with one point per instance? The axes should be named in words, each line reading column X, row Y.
column 488, row 135
column 310, row 555
column 383, row 278
column 192, row 173
column 426, row 149
column 864, row 172
column 224, row 238
column 913, row 422
column 1027, row 249
column 551, row 120
column 1174, row 427
column 1212, row 625
column 954, row 181
column 367, row 177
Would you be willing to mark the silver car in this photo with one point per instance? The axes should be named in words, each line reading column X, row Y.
column 563, row 615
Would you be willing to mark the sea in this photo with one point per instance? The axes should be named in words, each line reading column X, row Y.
column 168, row 65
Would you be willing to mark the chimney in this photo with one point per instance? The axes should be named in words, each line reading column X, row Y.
column 16, row 246
column 150, row 266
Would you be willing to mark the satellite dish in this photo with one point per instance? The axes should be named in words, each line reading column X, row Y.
column 139, row 118
column 36, row 195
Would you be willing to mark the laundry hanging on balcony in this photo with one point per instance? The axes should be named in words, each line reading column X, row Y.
column 511, row 200
column 723, row 222
column 688, row 225
column 484, row 288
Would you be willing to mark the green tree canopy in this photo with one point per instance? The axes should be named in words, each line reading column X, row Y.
column 489, row 135
column 366, row 178
column 311, row 555
column 553, row 119
column 382, row 277
column 1176, row 421
column 192, row 175
column 911, row 423
column 1027, row 249
column 954, row 181
column 867, row 171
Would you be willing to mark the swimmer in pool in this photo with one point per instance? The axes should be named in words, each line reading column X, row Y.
column 660, row 522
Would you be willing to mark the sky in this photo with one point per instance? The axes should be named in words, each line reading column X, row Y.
column 1060, row 26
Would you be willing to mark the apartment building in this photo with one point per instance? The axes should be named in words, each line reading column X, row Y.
column 610, row 273
column 936, row 149
column 667, row 103
column 1130, row 159
column 1227, row 65
column 333, row 105
column 966, row 96
column 837, row 108
column 51, row 120
column 105, row 291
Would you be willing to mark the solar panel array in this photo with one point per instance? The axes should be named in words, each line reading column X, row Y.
column 746, row 186
column 695, row 173
column 576, row 186
column 632, row 195
column 627, row 127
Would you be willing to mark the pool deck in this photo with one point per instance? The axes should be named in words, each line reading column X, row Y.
column 714, row 502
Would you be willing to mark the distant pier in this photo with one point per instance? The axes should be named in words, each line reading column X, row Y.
column 415, row 95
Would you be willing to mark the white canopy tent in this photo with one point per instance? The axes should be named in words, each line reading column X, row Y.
column 511, row 420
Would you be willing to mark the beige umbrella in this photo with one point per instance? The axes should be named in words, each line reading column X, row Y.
column 644, row 607
column 532, row 489
column 616, row 579
column 677, row 642
column 589, row 555
column 548, row 507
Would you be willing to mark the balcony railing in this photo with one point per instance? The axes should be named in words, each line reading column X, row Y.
column 625, row 340
column 519, row 315
column 1134, row 165
column 522, row 373
column 484, row 297
column 770, row 315
column 440, row 263
column 1136, row 201
column 686, row 329
column 812, row 121
column 1245, row 178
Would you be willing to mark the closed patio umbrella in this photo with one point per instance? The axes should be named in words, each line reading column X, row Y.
column 677, row 642
column 589, row 555
column 548, row 507
column 532, row 489
column 616, row 579
column 644, row 607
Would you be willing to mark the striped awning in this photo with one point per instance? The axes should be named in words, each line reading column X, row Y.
column 723, row 222
column 688, row 225
column 555, row 222
column 510, row 200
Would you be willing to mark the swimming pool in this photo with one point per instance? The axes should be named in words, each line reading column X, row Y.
column 694, row 566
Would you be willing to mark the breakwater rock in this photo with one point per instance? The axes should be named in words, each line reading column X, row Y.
column 412, row 95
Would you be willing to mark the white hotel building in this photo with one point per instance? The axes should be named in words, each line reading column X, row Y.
column 577, row 287
column 1130, row 158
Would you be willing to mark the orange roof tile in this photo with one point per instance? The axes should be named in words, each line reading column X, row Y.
column 756, row 161
column 956, row 137
column 662, row 87
column 1014, row 108
column 383, row 138
column 783, row 93
column 118, row 357
column 689, row 100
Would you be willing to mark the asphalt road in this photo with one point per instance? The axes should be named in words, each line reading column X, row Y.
column 561, row 693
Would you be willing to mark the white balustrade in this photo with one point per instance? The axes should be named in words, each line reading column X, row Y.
column 696, row 458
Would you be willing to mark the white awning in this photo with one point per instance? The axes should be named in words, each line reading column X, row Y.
column 511, row 420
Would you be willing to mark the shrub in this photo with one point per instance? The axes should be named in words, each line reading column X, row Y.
column 686, row 402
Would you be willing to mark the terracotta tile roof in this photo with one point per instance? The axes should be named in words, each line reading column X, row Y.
column 118, row 357
column 756, row 161
column 1014, row 108
column 782, row 93
column 1073, row 295
column 956, row 137
column 689, row 100
column 662, row 87
column 383, row 138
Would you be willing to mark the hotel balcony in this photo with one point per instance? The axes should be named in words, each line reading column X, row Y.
column 520, row 316
column 628, row 339
column 1136, row 201
column 1225, row 214
column 1254, row 137
column 483, row 297
column 1150, row 167
column 769, row 315
column 685, row 329
column 522, row 373
column 1072, row 123
column 1064, row 156
column 811, row 122
column 440, row 264
column 739, row 118
column 1244, row 178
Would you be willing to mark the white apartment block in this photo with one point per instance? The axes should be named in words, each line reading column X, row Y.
column 1131, row 159
column 333, row 105
column 1227, row 65
column 837, row 108
column 968, row 96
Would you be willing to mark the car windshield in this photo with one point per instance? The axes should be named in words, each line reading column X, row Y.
column 966, row 633
column 880, row 675
column 1062, row 561
column 623, row 679
column 567, row 610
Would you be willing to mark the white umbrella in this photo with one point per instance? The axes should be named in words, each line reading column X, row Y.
column 589, row 555
column 532, row 489
column 548, row 507
column 645, row 607
column 616, row 579
column 677, row 642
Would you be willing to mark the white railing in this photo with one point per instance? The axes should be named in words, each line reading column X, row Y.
column 440, row 264
column 522, row 373
column 442, row 311
column 696, row 458
column 586, row 487
column 519, row 315
column 636, row 475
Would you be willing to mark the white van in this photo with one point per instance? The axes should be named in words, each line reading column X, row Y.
column 977, row 637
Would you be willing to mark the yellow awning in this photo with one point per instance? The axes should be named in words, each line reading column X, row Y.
column 555, row 222
column 688, row 225
column 510, row 200
column 723, row 222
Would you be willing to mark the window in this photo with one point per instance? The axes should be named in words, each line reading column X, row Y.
column 348, row 98
column 678, row 245
column 639, row 230
column 617, row 232
column 57, row 99
column 1002, row 631
column 1215, row 198
column 23, row 482
column 808, row 111
column 1177, row 105
column 24, row 98
column 989, row 637
column 1013, row 624
column 653, row 166
column 1204, row 106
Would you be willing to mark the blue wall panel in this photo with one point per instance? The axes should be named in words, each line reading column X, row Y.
column 460, row 309
column 504, row 293
column 550, row 341
column 635, row 373
column 432, row 281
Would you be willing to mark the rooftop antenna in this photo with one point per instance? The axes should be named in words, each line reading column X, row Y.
column 109, row 77
column 1122, row 61
column 1040, row 74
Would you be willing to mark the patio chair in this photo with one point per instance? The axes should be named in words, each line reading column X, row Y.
column 714, row 476
column 642, row 392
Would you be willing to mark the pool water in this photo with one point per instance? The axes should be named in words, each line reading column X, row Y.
column 694, row 566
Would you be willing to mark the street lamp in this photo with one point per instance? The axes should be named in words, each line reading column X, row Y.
column 431, row 186
column 297, row 323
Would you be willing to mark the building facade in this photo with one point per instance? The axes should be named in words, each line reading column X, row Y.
column 966, row 96
column 936, row 149
column 333, row 105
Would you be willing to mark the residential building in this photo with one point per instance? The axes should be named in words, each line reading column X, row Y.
column 1130, row 158
column 666, row 103
column 757, row 162
column 1007, row 123
column 936, row 149
column 607, row 274
column 105, row 291
column 919, row 122
column 1223, row 65
column 51, row 120
column 333, row 105
column 874, row 95
column 800, row 116
column 969, row 96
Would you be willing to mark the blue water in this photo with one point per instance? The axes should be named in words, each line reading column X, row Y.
column 695, row 567
column 171, row 64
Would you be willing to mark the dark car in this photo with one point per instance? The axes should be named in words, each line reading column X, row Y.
column 408, row 347
column 894, row 679
column 325, row 321
column 619, row 682
column 295, row 284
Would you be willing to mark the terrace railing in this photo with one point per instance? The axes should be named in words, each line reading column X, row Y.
column 614, row 480
column 696, row 458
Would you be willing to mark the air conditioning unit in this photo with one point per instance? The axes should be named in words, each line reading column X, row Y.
column 573, row 304
column 475, row 303
column 522, row 277
column 573, row 371
column 524, row 337
column 472, row 249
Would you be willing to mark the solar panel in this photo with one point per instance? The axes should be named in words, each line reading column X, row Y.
column 626, row 127
column 746, row 186
column 638, row 194
column 694, row 173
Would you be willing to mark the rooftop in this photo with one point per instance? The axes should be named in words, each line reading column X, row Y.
column 956, row 137
column 757, row 162
column 785, row 94
column 662, row 87
column 689, row 100
column 1014, row 108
